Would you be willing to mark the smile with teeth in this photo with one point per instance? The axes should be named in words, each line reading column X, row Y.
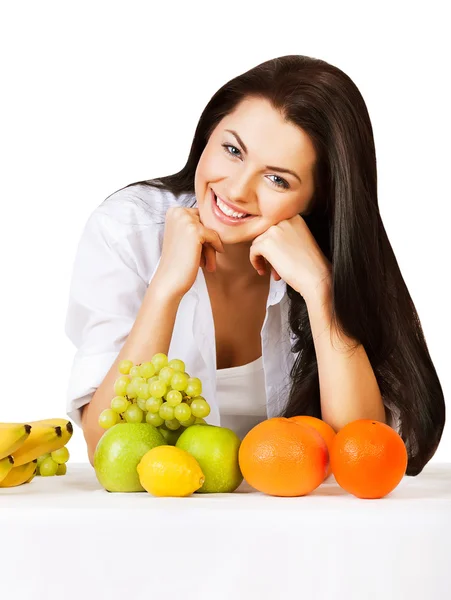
column 228, row 211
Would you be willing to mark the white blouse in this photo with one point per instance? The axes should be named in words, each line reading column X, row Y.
column 241, row 396
column 117, row 257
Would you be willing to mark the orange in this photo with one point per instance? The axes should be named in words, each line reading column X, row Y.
column 368, row 458
column 282, row 458
column 321, row 427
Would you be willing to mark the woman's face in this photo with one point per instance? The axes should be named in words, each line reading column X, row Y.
column 237, row 171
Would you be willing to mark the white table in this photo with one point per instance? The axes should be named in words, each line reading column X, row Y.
column 67, row 538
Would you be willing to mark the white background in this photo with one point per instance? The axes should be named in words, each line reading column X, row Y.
column 97, row 95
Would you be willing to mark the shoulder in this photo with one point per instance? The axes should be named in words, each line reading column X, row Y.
column 129, row 224
column 141, row 205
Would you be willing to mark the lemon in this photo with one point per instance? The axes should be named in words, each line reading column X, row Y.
column 170, row 471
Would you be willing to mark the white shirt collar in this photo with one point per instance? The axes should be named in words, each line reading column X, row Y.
column 277, row 289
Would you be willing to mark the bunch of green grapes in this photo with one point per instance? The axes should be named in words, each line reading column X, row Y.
column 159, row 392
column 53, row 463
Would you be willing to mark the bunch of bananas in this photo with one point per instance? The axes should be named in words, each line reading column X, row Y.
column 21, row 444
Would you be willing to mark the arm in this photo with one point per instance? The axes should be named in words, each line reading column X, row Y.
column 151, row 333
column 348, row 386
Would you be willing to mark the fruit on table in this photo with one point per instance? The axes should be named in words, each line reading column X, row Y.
column 368, row 458
column 19, row 475
column 280, row 457
column 170, row 471
column 6, row 464
column 55, row 462
column 48, row 467
column 44, row 437
column 216, row 450
column 62, row 469
column 118, row 453
column 158, row 392
column 12, row 436
column 323, row 428
column 30, row 444
column 61, row 455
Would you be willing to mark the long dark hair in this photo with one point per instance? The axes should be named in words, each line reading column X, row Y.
column 371, row 302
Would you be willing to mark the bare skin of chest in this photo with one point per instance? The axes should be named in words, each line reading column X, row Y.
column 238, row 322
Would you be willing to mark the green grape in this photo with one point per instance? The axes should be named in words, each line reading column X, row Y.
column 173, row 398
column 137, row 380
column 153, row 404
column 159, row 361
column 42, row 457
column 120, row 385
column 61, row 455
column 48, row 467
column 166, row 412
column 135, row 371
column 182, row 412
column 133, row 414
column 125, row 366
column 189, row 421
column 131, row 392
column 142, row 390
column 166, row 374
column 154, row 419
column 173, row 424
column 157, row 389
column 119, row 404
column 194, row 387
column 200, row 407
column 154, row 378
column 179, row 381
column 177, row 365
column 147, row 370
column 142, row 403
column 108, row 418
column 61, row 470
column 200, row 421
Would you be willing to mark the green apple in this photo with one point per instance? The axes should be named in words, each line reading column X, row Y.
column 118, row 453
column 216, row 450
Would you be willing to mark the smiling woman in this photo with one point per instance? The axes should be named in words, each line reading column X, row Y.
column 290, row 143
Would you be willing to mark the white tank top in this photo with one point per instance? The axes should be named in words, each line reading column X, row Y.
column 241, row 396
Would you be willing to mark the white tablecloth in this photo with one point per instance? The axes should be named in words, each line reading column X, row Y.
column 67, row 538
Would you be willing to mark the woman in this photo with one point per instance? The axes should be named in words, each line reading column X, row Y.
column 306, row 300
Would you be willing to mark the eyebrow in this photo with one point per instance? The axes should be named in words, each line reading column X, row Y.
column 280, row 169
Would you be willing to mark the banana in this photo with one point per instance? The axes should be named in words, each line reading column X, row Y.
column 56, row 422
column 42, row 439
column 6, row 464
column 66, row 428
column 66, row 433
column 12, row 436
column 21, row 474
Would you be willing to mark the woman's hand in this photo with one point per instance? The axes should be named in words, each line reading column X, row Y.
column 187, row 245
column 293, row 255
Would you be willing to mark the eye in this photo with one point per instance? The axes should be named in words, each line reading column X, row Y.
column 284, row 183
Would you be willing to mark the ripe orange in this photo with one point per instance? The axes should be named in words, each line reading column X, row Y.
column 283, row 458
column 321, row 427
column 368, row 458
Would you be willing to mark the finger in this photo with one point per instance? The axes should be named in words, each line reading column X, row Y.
column 259, row 263
column 210, row 258
column 212, row 237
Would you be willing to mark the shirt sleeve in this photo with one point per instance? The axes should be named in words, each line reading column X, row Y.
column 106, row 293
